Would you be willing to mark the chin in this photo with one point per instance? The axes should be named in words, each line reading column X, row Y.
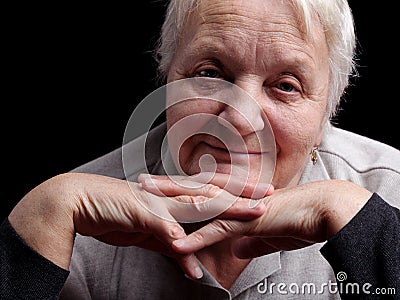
column 204, row 158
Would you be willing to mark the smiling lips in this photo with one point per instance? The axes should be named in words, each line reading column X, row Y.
column 240, row 149
column 221, row 152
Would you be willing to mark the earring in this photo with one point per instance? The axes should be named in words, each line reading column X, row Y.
column 314, row 157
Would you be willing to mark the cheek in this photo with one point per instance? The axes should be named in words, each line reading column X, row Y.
column 188, row 108
column 296, row 128
column 292, row 134
column 295, row 134
column 183, row 121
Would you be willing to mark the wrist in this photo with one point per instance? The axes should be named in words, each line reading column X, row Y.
column 44, row 220
column 345, row 200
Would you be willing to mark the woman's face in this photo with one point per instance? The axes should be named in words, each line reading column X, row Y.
column 258, row 46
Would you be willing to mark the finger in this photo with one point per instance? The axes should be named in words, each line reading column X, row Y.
column 239, row 187
column 142, row 177
column 193, row 203
column 172, row 188
column 164, row 230
column 189, row 265
column 244, row 209
column 210, row 234
column 241, row 209
column 187, row 208
column 234, row 185
column 171, row 231
column 190, row 209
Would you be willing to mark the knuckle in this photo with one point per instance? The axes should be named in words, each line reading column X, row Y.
column 210, row 189
column 198, row 237
column 183, row 198
column 175, row 231
column 196, row 200
column 224, row 226
column 199, row 199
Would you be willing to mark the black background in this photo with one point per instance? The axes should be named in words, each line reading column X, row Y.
column 73, row 73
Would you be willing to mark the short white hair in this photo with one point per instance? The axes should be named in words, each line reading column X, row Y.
column 335, row 16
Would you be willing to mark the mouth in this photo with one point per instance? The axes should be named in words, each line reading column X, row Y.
column 233, row 150
column 219, row 151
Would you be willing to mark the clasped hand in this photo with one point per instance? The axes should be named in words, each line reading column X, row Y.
column 286, row 219
column 124, row 213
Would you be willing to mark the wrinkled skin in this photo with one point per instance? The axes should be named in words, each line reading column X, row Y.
column 258, row 46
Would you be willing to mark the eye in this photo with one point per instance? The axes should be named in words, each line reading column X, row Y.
column 286, row 87
column 209, row 73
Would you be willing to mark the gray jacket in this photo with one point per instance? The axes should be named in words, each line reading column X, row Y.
column 101, row 271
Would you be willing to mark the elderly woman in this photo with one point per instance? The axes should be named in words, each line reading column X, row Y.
column 327, row 225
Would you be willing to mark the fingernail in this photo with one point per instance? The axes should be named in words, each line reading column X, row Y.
column 149, row 183
column 179, row 243
column 253, row 204
column 143, row 176
column 264, row 186
column 198, row 273
column 261, row 190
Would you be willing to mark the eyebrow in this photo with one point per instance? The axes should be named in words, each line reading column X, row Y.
column 300, row 62
column 204, row 50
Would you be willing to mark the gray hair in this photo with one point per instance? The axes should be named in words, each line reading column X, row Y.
column 334, row 15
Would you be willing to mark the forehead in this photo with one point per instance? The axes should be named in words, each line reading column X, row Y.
column 266, row 15
column 254, row 34
column 256, row 12
column 251, row 25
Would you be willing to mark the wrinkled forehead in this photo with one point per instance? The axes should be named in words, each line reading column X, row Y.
column 252, row 15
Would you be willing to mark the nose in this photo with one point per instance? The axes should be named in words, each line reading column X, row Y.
column 243, row 114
